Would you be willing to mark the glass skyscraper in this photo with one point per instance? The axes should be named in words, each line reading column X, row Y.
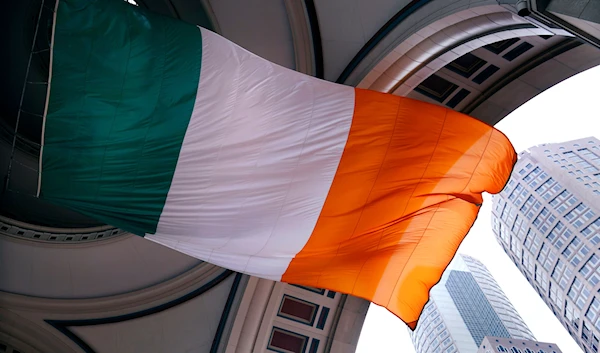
column 466, row 306
column 547, row 219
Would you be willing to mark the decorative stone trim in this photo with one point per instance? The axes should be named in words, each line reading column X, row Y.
column 74, row 309
column 18, row 333
column 301, row 35
column 30, row 232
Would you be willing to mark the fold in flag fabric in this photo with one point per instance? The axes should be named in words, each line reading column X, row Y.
column 173, row 133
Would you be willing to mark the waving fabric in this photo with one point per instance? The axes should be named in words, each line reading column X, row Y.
column 176, row 134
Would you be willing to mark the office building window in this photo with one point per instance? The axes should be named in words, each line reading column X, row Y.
column 560, row 198
column 590, row 271
column 541, row 277
column 284, row 341
column 314, row 346
column 586, row 332
column 529, row 177
column 559, row 235
column 323, row 318
column 592, row 231
column 562, row 208
column 547, row 189
column 558, row 268
column 436, row 88
column 556, row 296
column 517, row 51
column 516, row 226
column 583, row 297
column 554, row 232
column 571, row 313
column 592, row 312
column 581, row 211
column 499, row 206
column 528, row 262
column 590, row 168
column 572, row 247
column 457, row 98
column 589, row 154
column 575, row 260
column 466, row 65
column 575, row 288
column 499, row 47
column 298, row 310
column 543, row 254
column 595, row 277
column 532, row 242
column 486, row 73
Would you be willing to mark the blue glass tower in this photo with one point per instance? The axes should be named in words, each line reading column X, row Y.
column 466, row 306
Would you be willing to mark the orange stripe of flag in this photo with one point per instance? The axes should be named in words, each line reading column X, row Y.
column 405, row 194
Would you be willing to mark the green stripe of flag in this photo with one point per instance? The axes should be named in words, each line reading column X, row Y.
column 123, row 87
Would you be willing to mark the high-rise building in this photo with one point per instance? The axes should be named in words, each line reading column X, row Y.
column 515, row 345
column 547, row 219
column 466, row 306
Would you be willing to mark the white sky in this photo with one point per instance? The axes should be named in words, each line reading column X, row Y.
column 567, row 111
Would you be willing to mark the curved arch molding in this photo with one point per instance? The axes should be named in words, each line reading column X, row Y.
column 313, row 20
column 65, row 326
column 97, row 271
column 456, row 45
column 388, row 27
column 26, row 336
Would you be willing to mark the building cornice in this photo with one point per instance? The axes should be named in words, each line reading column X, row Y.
column 122, row 304
column 49, row 235
column 300, row 27
column 429, row 49
column 383, row 32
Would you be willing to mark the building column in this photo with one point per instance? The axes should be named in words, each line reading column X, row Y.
column 254, row 317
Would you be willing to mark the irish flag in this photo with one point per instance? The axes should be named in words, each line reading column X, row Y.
column 174, row 133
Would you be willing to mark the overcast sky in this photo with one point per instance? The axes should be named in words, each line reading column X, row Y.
column 567, row 111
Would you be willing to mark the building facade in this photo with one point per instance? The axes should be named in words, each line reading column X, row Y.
column 547, row 219
column 279, row 317
column 513, row 345
column 465, row 307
